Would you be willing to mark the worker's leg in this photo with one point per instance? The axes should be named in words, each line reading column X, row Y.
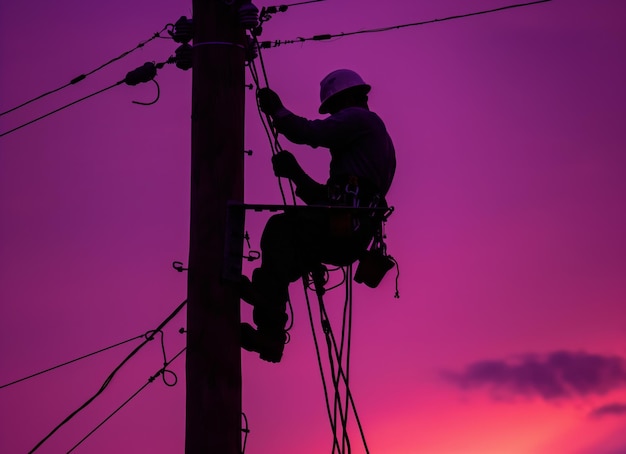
column 288, row 245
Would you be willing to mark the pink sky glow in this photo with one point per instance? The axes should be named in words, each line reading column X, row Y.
column 510, row 333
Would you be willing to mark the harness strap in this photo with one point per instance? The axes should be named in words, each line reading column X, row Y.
column 354, row 191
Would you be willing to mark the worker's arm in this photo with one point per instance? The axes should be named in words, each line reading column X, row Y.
column 310, row 191
column 334, row 131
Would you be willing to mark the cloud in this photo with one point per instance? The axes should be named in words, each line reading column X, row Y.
column 612, row 409
column 557, row 375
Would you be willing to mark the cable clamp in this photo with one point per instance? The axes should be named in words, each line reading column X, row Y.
column 178, row 266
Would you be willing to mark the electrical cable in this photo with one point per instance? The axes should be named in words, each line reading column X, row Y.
column 395, row 262
column 275, row 146
column 303, row 3
column 270, row 131
column 108, row 380
column 331, row 343
column 346, row 320
column 82, row 77
column 165, row 362
column 321, row 368
column 246, row 430
column 145, row 385
column 341, row 374
column 337, row 407
column 144, row 73
column 349, row 282
column 267, row 11
column 72, row 361
column 61, row 108
column 322, row 37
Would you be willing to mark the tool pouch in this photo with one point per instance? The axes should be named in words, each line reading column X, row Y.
column 372, row 267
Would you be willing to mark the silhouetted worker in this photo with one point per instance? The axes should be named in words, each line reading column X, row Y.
column 362, row 167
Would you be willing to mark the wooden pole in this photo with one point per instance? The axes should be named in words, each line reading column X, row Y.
column 213, row 405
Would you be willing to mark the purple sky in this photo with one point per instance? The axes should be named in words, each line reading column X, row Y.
column 510, row 333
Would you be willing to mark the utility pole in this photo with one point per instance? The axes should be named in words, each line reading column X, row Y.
column 213, row 406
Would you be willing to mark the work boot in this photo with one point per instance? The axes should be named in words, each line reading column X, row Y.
column 268, row 345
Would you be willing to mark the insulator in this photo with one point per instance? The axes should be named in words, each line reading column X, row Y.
column 251, row 50
column 183, row 30
column 144, row 73
column 184, row 59
column 248, row 15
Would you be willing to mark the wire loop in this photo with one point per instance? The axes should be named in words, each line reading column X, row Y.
column 155, row 100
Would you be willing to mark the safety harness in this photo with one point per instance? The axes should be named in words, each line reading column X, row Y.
column 352, row 191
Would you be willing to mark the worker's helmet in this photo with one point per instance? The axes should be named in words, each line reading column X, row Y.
column 338, row 81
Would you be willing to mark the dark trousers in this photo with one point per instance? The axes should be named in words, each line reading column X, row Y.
column 292, row 244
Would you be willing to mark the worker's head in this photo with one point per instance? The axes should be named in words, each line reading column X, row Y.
column 342, row 88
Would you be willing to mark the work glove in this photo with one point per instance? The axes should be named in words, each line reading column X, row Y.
column 269, row 101
column 286, row 166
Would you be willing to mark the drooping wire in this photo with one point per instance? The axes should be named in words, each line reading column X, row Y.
column 72, row 361
column 83, row 76
column 336, row 357
column 331, row 419
column 346, row 323
column 165, row 371
column 108, row 380
column 323, row 37
column 348, row 342
column 245, row 430
column 397, row 265
column 339, row 373
column 160, row 372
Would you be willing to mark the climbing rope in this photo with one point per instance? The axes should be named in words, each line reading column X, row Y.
column 272, row 136
column 339, row 364
column 338, row 357
column 266, row 121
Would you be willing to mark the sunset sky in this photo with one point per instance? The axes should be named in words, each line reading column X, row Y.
column 509, row 336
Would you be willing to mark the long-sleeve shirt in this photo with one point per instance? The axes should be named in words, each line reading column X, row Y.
column 356, row 137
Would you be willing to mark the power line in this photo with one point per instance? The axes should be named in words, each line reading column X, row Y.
column 145, row 385
column 282, row 8
column 82, row 77
column 61, row 108
column 144, row 73
column 110, row 377
column 304, row 3
column 268, row 44
column 73, row 360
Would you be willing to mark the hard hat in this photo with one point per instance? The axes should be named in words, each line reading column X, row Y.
column 336, row 82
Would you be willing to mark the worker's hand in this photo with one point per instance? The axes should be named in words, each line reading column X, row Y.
column 269, row 101
column 286, row 166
